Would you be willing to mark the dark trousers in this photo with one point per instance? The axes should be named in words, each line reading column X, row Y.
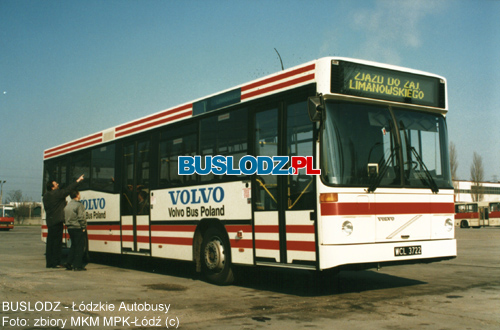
column 75, row 257
column 53, row 248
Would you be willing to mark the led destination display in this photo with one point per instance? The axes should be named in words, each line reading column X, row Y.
column 377, row 83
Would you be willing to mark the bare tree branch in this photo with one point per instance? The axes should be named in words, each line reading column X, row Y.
column 453, row 161
column 477, row 177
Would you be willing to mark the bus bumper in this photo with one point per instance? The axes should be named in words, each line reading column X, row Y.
column 6, row 225
column 371, row 255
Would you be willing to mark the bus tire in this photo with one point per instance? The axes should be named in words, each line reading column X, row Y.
column 464, row 224
column 216, row 257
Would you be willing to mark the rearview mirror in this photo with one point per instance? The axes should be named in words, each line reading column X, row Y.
column 315, row 107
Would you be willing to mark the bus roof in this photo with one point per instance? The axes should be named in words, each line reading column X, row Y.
column 294, row 77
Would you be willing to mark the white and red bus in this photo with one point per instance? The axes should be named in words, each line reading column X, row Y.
column 6, row 217
column 376, row 132
column 476, row 215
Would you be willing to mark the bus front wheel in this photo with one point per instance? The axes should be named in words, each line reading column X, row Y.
column 464, row 224
column 216, row 257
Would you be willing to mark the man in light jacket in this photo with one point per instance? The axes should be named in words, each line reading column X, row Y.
column 74, row 214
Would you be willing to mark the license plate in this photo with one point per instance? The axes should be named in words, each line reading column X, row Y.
column 408, row 251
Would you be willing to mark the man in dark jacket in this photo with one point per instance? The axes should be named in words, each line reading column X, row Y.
column 54, row 201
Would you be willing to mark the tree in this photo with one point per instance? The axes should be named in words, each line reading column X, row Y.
column 23, row 206
column 477, row 177
column 453, row 161
column 15, row 196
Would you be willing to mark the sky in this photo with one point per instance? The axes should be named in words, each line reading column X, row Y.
column 72, row 68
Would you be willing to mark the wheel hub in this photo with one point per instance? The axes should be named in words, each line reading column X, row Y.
column 214, row 255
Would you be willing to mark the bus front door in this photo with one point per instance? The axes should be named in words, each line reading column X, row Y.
column 283, row 205
column 135, row 209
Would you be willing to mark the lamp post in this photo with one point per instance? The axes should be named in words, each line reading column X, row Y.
column 1, row 191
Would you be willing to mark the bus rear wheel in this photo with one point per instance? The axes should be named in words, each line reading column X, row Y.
column 216, row 257
column 464, row 224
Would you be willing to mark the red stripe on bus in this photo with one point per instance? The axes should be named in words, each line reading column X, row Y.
column 172, row 240
column 385, row 208
column 300, row 229
column 74, row 148
column 241, row 243
column 237, row 228
column 153, row 124
column 292, row 229
column 69, row 144
column 301, row 246
column 112, row 238
column 278, row 86
column 188, row 228
column 138, row 227
column 127, row 238
column 154, row 117
column 267, row 244
column 278, row 77
column 140, row 239
column 495, row 214
column 267, row 229
column 103, row 227
column 467, row 215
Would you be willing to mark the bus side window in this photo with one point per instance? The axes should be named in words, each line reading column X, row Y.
column 224, row 134
column 208, row 143
column 232, row 134
column 174, row 143
column 80, row 164
column 103, row 168
column 55, row 171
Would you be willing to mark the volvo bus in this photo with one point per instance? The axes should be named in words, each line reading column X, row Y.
column 376, row 133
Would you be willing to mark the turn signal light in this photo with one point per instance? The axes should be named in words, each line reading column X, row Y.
column 328, row 198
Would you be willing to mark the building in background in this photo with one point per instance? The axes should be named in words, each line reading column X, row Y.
column 487, row 191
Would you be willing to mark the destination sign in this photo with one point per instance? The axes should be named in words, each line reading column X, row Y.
column 372, row 82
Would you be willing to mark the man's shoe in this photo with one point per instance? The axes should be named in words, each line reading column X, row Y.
column 79, row 269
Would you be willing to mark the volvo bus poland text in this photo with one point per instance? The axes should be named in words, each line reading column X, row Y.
column 332, row 164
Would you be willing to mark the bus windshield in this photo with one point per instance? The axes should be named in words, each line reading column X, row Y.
column 379, row 146
column 9, row 213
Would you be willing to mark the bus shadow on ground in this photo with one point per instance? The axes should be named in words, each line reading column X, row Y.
column 305, row 283
column 286, row 281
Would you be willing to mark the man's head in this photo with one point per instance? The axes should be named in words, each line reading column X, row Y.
column 75, row 194
column 52, row 185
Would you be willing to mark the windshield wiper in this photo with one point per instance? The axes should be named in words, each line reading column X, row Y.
column 432, row 183
column 381, row 174
column 430, row 180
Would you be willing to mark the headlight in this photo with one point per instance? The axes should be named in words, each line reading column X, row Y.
column 448, row 224
column 347, row 228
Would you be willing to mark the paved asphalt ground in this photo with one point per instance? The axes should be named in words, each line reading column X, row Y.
column 133, row 293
